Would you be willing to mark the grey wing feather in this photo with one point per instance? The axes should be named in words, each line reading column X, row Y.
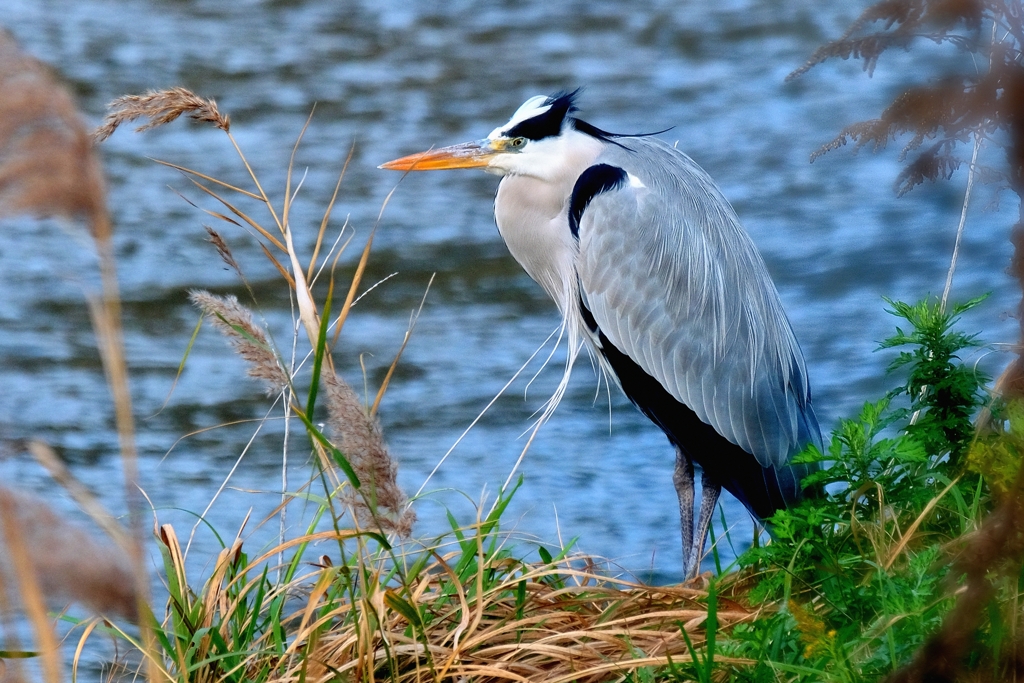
column 674, row 281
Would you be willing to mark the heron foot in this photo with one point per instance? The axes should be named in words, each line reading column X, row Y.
column 682, row 477
column 709, row 494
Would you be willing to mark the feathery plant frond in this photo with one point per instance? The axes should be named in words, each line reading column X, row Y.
column 160, row 107
column 362, row 441
column 953, row 107
column 249, row 340
column 368, row 487
column 47, row 163
column 65, row 560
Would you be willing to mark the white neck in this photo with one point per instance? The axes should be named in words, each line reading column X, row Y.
column 532, row 204
column 531, row 209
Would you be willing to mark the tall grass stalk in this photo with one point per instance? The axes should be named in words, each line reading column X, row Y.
column 49, row 168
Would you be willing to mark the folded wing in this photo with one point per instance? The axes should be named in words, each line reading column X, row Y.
column 674, row 282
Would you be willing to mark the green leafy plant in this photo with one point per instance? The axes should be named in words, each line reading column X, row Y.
column 858, row 573
column 945, row 392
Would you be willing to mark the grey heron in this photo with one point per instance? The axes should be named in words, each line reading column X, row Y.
column 650, row 267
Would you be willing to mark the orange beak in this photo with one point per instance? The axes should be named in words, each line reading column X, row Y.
column 476, row 154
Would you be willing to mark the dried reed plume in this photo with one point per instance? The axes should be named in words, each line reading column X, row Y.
column 363, row 444
column 67, row 564
column 248, row 339
column 48, row 167
column 47, row 164
column 160, row 107
column 223, row 250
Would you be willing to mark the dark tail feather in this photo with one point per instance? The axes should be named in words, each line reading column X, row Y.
column 762, row 490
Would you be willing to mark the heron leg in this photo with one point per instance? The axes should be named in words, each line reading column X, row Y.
column 708, row 500
column 683, row 480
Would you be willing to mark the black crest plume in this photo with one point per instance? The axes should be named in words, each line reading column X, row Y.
column 561, row 106
column 549, row 123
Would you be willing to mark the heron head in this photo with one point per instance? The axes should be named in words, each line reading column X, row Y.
column 514, row 147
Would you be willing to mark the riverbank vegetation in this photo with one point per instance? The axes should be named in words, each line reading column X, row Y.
column 906, row 563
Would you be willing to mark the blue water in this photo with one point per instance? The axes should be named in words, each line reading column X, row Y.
column 388, row 79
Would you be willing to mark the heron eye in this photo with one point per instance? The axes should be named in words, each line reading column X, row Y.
column 518, row 142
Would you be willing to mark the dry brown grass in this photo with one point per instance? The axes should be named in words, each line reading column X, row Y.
column 545, row 623
column 465, row 614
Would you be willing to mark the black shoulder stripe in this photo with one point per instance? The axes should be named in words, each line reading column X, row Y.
column 592, row 182
column 588, row 317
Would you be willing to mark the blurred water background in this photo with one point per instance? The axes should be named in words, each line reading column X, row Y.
column 389, row 78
